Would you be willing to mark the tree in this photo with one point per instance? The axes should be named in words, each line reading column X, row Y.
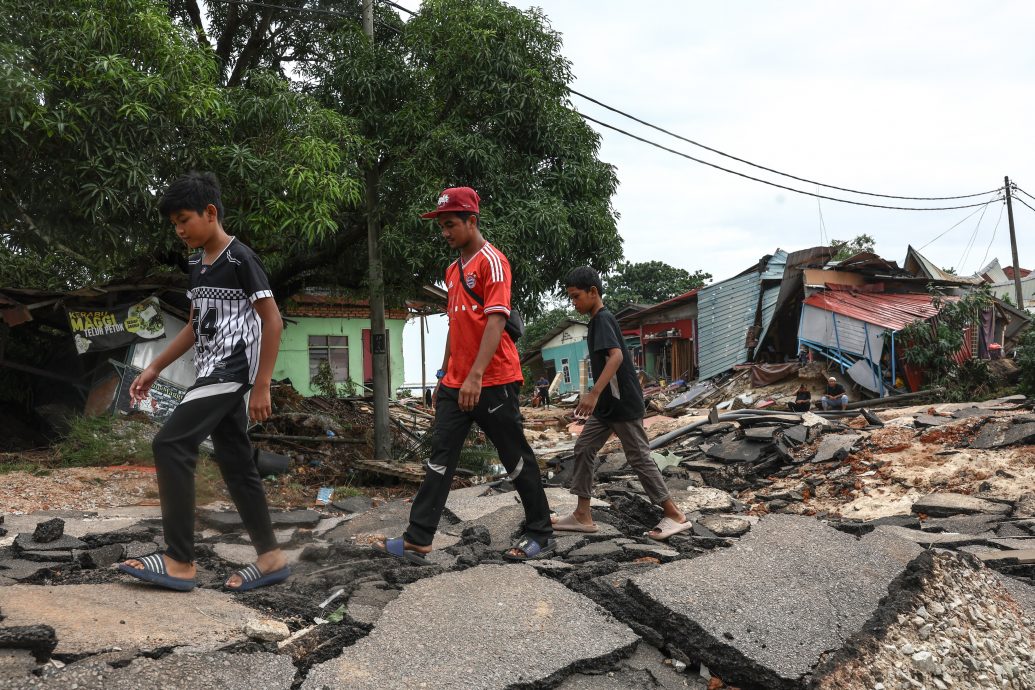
column 474, row 92
column 649, row 282
column 105, row 101
column 846, row 248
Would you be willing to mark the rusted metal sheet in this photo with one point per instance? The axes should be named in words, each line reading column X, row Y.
column 891, row 311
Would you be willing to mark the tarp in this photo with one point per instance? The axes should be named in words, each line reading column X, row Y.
column 766, row 374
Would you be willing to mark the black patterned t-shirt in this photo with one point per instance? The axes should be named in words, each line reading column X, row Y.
column 227, row 329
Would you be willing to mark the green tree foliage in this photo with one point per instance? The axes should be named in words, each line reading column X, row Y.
column 473, row 92
column 932, row 345
column 846, row 248
column 1026, row 361
column 649, row 282
column 105, row 101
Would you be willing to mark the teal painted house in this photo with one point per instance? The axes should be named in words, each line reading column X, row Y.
column 559, row 352
column 335, row 328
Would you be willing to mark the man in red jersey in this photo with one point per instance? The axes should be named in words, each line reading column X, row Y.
column 479, row 382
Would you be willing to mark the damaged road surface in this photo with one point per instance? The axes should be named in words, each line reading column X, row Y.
column 891, row 551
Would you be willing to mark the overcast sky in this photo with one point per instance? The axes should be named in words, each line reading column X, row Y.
column 915, row 99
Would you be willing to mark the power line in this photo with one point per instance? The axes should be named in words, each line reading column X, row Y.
column 397, row 6
column 774, row 184
column 994, row 230
column 954, row 225
column 762, row 167
column 1023, row 192
column 973, row 238
column 1017, row 198
column 822, row 223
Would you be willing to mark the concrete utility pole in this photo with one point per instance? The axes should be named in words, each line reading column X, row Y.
column 1013, row 246
column 378, row 336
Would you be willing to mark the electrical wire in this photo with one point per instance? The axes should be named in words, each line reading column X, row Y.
column 973, row 238
column 774, row 184
column 994, row 231
column 822, row 223
column 1018, row 189
column 1017, row 198
column 944, row 232
column 772, row 170
column 397, row 6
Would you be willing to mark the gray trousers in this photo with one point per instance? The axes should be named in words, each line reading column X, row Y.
column 634, row 442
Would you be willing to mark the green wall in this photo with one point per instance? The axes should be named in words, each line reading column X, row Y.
column 293, row 358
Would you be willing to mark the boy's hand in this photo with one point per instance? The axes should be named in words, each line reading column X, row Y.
column 138, row 390
column 586, row 404
column 259, row 407
column 470, row 392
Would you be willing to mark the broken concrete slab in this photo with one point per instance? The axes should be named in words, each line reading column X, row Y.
column 1001, row 434
column 736, row 450
column 597, row 550
column 944, row 504
column 764, row 612
column 662, row 553
column 25, row 542
column 646, row 668
column 947, row 540
column 761, row 434
column 976, row 523
column 243, row 554
column 198, row 671
column 101, row 557
column 797, row 434
column 20, row 569
column 368, row 601
column 718, row 428
column 475, row 502
column 835, row 447
column 353, row 504
column 39, row 640
column 488, row 647
column 230, row 520
column 116, row 612
column 1024, row 506
column 704, row 499
column 725, row 525
column 929, row 420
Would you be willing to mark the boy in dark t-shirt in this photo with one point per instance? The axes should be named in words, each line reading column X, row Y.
column 614, row 405
column 234, row 331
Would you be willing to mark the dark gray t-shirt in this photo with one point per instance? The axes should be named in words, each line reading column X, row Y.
column 622, row 399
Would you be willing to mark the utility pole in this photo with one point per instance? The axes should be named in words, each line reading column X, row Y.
column 1013, row 246
column 378, row 336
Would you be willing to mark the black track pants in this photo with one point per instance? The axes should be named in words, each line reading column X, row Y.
column 217, row 410
column 498, row 414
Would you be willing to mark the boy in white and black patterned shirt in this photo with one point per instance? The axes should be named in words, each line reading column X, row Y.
column 235, row 331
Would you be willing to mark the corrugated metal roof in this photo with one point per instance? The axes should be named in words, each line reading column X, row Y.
column 725, row 311
column 890, row 311
column 769, row 297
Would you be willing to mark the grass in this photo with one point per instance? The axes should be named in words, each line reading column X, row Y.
column 103, row 441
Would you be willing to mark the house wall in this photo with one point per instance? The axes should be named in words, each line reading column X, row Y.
column 574, row 351
column 293, row 358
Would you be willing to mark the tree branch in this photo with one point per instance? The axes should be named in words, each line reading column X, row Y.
column 195, row 19
column 225, row 44
column 289, row 274
column 249, row 56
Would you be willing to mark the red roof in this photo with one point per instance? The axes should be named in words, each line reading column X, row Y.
column 1008, row 270
column 894, row 312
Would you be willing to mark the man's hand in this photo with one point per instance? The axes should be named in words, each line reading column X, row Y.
column 259, row 407
column 470, row 392
column 138, row 390
column 586, row 404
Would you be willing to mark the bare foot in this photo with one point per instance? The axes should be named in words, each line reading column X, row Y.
column 269, row 562
column 172, row 567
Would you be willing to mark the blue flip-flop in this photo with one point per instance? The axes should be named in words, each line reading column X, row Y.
column 531, row 549
column 396, row 548
column 252, row 577
column 154, row 571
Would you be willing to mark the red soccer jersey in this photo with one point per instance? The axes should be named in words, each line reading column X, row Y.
column 487, row 273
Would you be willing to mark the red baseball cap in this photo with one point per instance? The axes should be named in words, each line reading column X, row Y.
column 455, row 200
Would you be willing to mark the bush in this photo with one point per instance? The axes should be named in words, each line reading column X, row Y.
column 1026, row 361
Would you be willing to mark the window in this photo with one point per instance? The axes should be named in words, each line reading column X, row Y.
column 334, row 349
column 566, row 370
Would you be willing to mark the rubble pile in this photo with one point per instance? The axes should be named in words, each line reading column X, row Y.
column 947, row 622
column 781, row 584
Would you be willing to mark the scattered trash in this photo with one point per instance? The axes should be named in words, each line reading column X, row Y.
column 323, row 496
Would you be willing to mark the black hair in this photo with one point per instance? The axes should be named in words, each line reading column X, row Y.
column 192, row 192
column 584, row 278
